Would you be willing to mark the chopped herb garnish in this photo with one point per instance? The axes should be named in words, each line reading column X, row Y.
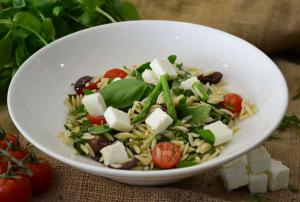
column 172, row 58
column 293, row 188
column 185, row 163
column 206, row 135
column 96, row 130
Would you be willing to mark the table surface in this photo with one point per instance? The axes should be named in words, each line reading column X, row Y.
column 70, row 184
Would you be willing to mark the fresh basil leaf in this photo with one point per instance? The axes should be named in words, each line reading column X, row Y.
column 28, row 20
column 57, row 10
column 90, row 5
column 206, row 135
column 5, row 49
column 85, row 18
column 48, row 29
column 185, row 163
column 20, row 54
column 19, row 3
column 289, row 121
column 122, row 93
column 172, row 59
column 84, row 126
column 199, row 113
column 43, row 4
column 129, row 12
column 96, row 130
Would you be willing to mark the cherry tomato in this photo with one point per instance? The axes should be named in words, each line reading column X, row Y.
column 166, row 155
column 9, row 138
column 114, row 73
column 42, row 175
column 92, row 86
column 99, row 120
column 233, row 102
column 19, row 154
column 16, row 189
column 3, row 166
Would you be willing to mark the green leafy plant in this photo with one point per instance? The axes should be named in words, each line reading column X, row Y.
column 122, row 93
column 28, row 25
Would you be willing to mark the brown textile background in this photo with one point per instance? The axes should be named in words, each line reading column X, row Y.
column 272, row 25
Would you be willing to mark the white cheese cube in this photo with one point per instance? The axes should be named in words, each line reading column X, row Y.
column 234, row 176
column 163, row 66
column 278, row 176
column 187, row 84
column 115, row 153
column 241, row 159
column 117, row 119
column 258, row 183
column 94, row 104
column 259, row 160
column 159, row 120
column 149, row 77
column 221, row 132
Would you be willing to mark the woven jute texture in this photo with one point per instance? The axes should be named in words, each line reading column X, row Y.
column 273, row 26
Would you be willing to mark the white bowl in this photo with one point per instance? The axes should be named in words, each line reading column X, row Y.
column 36, row 93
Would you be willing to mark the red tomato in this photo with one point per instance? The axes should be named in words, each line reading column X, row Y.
column 16, row 189
column 19, row 154
column 166, row 155
column 114, row 73
column 42, row 175
column 99, row 120
column 3, row 167
column 233, row 102
column 9, row 138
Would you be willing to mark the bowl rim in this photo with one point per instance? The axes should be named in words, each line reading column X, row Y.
column 149, row 173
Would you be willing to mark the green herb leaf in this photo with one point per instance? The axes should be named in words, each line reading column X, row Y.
column 143, row 67
column 293, row 188
column 48, row 29
column 129, row 12
column 28, row 20
column 19, row 3
column 5, row 49
column 122, row 93
column 289, row 121
column 207, row 135
column 185, row 163
column 96, row 130
column 172, row 59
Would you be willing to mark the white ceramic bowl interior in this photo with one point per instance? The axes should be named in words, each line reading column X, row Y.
column 36, row 93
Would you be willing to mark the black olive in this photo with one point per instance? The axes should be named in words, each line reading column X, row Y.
column 213, row 78
column 98, row 143
column 80, row 83
column 125, row 166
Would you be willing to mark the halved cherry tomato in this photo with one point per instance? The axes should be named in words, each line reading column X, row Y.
column 114, row 73
column 99, row 120
column 15, row 189
column 9, row 137
column 166, row 155
column 233, row 102
column 42, row 175
column 92, row 86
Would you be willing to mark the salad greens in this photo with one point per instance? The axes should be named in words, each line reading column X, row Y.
column 28, row 25
column 167, row 96
column 129, row 90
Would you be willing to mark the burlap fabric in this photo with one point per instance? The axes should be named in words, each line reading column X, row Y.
column 273, row 26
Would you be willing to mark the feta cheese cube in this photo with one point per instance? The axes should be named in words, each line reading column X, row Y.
column 278, row 176
column 115, row 153
column 187, row 84
column 163, row 66
column 94, row 104
column 117, row 119
column 259, row 160
column 234, row 176
column 221, row 132
column 258, row 183
column 149, row 77
column 159, row 120
column 241, row 159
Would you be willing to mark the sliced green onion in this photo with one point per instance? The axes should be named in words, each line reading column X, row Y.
column 202, row 93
